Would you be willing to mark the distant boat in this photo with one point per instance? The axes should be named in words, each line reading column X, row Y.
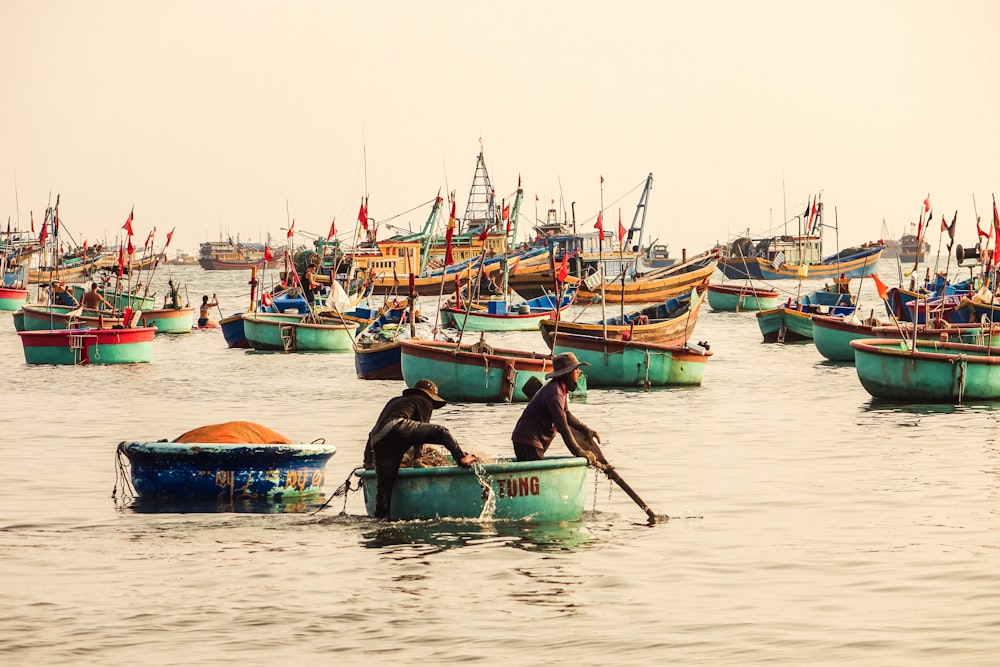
column 553, row 489
column 183, row 259
column 227, row 255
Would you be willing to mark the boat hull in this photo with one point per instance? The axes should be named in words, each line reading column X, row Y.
column 381, row 361
column 616, row 363
column 934, row 372
column 12, row 298
column 88, row 346
column 45, row 318
column 168, row 320
column 473, row 373
column 833, row 336
column 553, row 489
column 728, row 298
column 659, row 285
column 289, row 333
column 853, row 266
column 226, row 472
column 785, row 325
column 232, row 331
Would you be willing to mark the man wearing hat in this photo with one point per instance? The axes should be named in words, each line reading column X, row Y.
column 402, row 424
column 547, row 413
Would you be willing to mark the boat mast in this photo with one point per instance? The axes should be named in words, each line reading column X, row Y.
column 637, row 226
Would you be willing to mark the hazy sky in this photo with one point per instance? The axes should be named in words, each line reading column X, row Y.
column 212, row 116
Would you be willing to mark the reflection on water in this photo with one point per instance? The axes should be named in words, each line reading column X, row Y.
column 143, row 505
column 439, row 535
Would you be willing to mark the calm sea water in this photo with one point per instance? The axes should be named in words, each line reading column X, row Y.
column 809, row 525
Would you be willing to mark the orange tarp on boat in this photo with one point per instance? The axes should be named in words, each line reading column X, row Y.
column 235, row 432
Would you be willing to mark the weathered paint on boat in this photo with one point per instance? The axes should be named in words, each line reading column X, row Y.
column 618, row 363
column 227, row 472
column 856, row 265
column 833, row 336
column 658, row 285
column 232, row 331
column 168, row 320
column 88, row 346
column 934, row 372
column 44, row 318
column 670, row 322
column 730, row 298
column 379, row 361
column 970, row 333
column 785, row 325
column 475, row 373
column 291, row 333
column 12, row 298
column 553, row 489
column 523, row 316
column 118, row 299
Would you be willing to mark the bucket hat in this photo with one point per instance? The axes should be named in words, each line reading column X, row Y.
column 563, row 364
column 428, row 389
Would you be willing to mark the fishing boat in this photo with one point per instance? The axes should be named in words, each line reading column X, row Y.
column 505, row 315
column 630, row 363
column 788, row 256
column 226, row 472
column 81, row 347
column 121, row 297
column 657, row 285
column 927, row 371
column 658, row 256
column 297, row 333
column 168, row 320
column 733, row 298
column 792, row 321
column 13, row 281
column 12, row 298
column 670, row 322
column 36, row 317
column 553, row 489
column 970, row 333
column 833, row 335
column 477, row 373
column 911, row 249
column 228, row 255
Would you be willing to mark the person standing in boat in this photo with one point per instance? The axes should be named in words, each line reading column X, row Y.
column 205, row 310
column 60, row 295
column 547, row 413
column 309, row 284
column 404, row 423
column 94, row 300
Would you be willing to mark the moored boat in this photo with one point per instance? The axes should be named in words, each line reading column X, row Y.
column 226, row 472
column 297, row 333
column 928, row 371
column 477, row 373
column 621, row 363
column 12, row 298
column 553, row 489
column 792, row 321
column 88, row 346
column 504, row 315
column 37, row 317
column 734, row 298
column 168, row 320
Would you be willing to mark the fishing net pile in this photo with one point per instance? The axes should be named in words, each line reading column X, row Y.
column 237, row 432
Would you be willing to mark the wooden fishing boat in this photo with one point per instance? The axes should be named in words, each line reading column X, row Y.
column 477, row 373
column 621, row 363
column 658, row 285
column 233, row 332
column 504, row 315
column 297, row 333
column 168, row 320
column 226, row 472
column 970, row 333
column 833, row 335
column 120, row 299
column 733, row 298
column 37, row 317
column 671, row 322
column 88, row 346
column 12, row 298
column 793, row 321
column 929, row 372
column 553, row 489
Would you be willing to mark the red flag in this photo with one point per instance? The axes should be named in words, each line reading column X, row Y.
column 121, row 261
column 927, row 203
column 621, row 230
column 951, row 231
column 149, row 238
column 131, row 248
column 170, row 235
column 85, row 249
column 268, row 255
column 506, row 216
column 291, row 229
column 333, row 229
column 483, row 234
column 882, row 288
column 449, row 258
column 599, row 225
column 563, row 268
column 42, row 235
column 363, row 214
column 128, row 222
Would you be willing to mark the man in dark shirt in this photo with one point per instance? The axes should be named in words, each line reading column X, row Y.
column 547, row 413
column 402, row 424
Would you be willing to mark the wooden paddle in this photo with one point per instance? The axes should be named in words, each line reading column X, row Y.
column 600, row 462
